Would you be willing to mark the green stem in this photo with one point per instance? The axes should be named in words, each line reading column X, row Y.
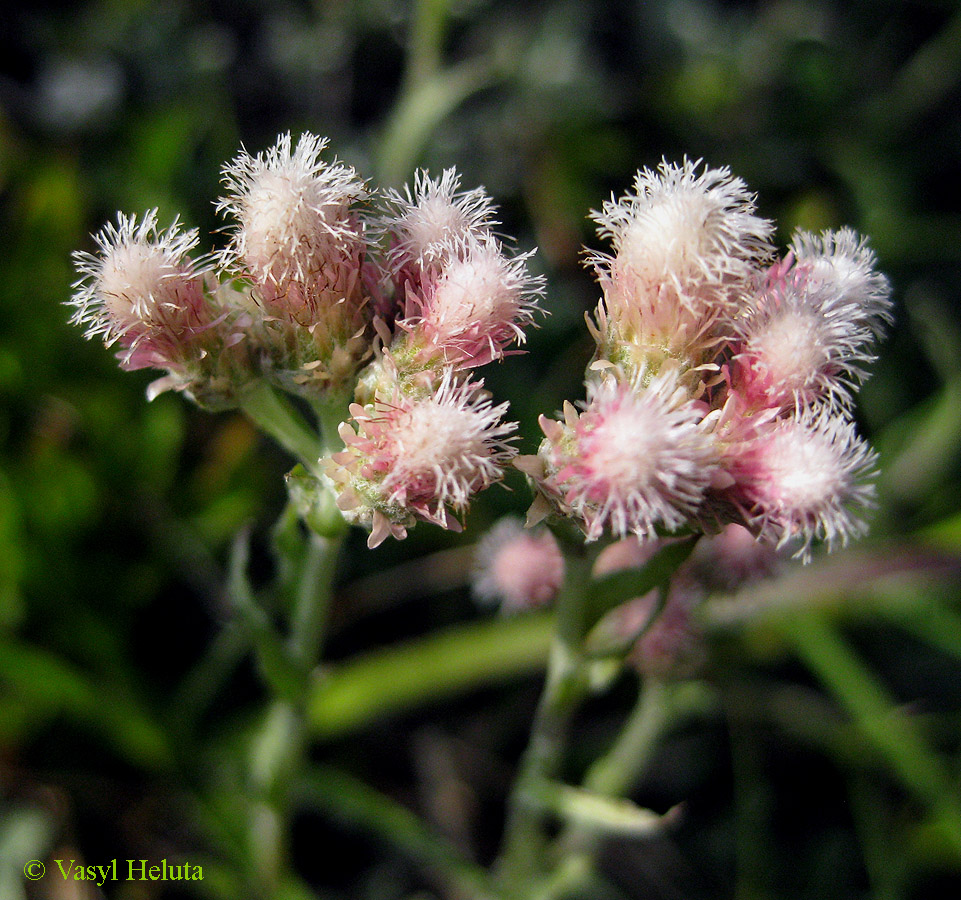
column 275, row 415
column 660, row 705
column 522, row 852
column 279, row 751
column 427, row 30
column 614, row 774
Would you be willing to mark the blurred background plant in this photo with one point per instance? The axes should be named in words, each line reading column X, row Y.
column 828, row 760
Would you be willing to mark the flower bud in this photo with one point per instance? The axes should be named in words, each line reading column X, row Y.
column 516, row 567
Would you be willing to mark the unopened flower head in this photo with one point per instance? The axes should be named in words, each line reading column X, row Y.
column 428, row 225
column 420, row 459
column 478, row 305
column 674, row 645
column 144, row 292
column 685, row 247
column 802, row 342
column 804, row 478
column 843, row 263
column 517, row 567
column 733, row 558
column 635, row 458
column 302, row 245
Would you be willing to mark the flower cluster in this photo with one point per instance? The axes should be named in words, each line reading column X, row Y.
column 424, row 435
column 721, row 388
column 325, row 290
column 285, row 301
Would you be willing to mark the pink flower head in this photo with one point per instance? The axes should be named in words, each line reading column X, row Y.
column 144, row 292
column 517, row 567
column 301, row 244
column 803, row 479
column 475, row 308
column 420, row 458
column 297, row 237
column 674, row 643
column 685, row 248
column 733, row 558
column 802, row 343
column 635, row 458
column 842, row 263
column 428, row 224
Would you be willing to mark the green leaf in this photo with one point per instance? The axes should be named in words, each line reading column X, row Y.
column 393, row 679
column 51, row 686
column 893, row 734
column 603, row 594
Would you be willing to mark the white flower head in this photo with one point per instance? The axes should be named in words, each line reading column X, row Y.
column 517, row 567
column 142, row 279
column 421, row 458
column 428, row 225
column 476, row 307
column 635, row 458
column 680, row 237
column 144, row 291
column 843, row 264
column 805, row 478
column 297, row 237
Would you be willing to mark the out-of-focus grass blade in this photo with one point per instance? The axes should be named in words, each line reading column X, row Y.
column 397, row 678
column 892, row 733
column 51, row 686
column 347, row 798
column 852, row 581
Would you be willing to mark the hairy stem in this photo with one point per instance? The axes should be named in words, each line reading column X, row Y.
column 278, row 753
column 524, row 843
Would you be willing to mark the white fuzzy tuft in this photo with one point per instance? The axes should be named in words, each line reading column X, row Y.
column 841, row 262
column 684, row 229
column 293, row 211
column 634, row 459
column 429, row 223
column 804, row 478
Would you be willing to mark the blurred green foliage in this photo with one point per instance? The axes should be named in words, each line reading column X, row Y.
column 124, row 685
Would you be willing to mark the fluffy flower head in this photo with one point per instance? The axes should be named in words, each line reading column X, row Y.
column 842, row 263
column 634, row 458
column 143, row 291
column 682, row 237
column 517, row 567
column 297, row 238
column 805, row 478
column 420, row 458
column 428, row 224
column 477, row 306
column 802, row 342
